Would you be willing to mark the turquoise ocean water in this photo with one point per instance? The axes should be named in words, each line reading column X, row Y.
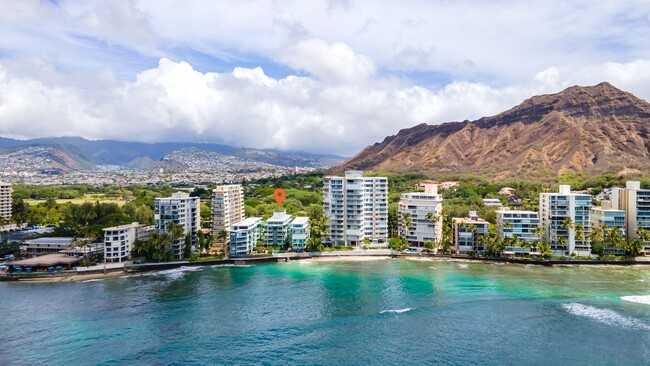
column 381, row 312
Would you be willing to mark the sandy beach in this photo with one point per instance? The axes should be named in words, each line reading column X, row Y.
column 71, row 277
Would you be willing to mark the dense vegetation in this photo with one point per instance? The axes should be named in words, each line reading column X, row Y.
column 304, row 198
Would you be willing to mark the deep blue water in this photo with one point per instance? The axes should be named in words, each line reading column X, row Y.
column 383, row 312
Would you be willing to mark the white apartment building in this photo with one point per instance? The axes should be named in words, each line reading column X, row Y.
column 554, row 208
column 227, row 209
column 5, row 201
column 466, row 232
column 118, row 240
column 520, row 224
column 425, row 211
column 180, row 209
column 277, row 230
column 299, row 233
column 244, row 236
column 636, row 204
column 357, row 208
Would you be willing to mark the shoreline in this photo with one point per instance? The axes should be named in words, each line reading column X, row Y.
column 69, row 278
column 80, row 277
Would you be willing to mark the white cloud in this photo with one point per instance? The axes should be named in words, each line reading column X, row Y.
column 335, row 63
column 366, row 67
column 246, row 107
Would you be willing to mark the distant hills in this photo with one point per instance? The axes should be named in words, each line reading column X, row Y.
column 68, row 154
column 592, row 130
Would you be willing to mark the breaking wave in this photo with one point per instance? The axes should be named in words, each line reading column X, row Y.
column 645, row 299
column 396, row 311
column 605, row 316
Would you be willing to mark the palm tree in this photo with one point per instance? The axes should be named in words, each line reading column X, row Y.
column 579, row 235
column 613, row 236
column 407, row 221
column 561, row 241
column 175, row 231
column 643, row 234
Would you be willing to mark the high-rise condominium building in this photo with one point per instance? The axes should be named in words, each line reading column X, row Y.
column 636, row 204
column 424, row 211
column 519, row 224
column 5, row 202
column 560, row 215
column 118, row 240
column 227, row 209
column 244, row 236
column 182, row 210
column 357, row 208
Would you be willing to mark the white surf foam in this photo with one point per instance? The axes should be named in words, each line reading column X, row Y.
column 644, row 299
column 463, row 265
column 172, row 274
column 93, row 280
column 396, row 311
column 605, row 316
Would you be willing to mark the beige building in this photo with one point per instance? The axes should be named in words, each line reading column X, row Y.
column 227, row 209
column 635, row 202
column 5, row 201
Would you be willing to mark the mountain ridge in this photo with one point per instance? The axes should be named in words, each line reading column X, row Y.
column 594, row 130
column 140, row 155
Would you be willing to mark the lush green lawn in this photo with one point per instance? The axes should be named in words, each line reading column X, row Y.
column 86, row 198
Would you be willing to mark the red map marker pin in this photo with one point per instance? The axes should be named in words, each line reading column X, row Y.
column 279, row 195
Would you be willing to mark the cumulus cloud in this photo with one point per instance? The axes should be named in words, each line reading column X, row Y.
column 246, row 107
column 335, row 63
column 322, row 76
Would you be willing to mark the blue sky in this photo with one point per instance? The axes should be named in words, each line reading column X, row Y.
column 322, row 76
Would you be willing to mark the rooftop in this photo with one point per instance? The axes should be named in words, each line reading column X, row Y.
column 60, row 241
column 120, row 227
column 300, row 220
column 46, row 261
column 248, row 222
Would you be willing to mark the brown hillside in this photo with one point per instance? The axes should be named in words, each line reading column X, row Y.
column 595, row 130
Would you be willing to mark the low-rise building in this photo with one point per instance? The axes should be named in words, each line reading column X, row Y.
column 424, row 210
column 520, row 224
column 244, row 236
column 466, row 233
column 277, row 230
column 299, row 233
column 67, row 246
column 118, row 240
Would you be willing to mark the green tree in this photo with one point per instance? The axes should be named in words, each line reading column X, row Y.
column 398, row 244
column 187, row 246
column 392, row 220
